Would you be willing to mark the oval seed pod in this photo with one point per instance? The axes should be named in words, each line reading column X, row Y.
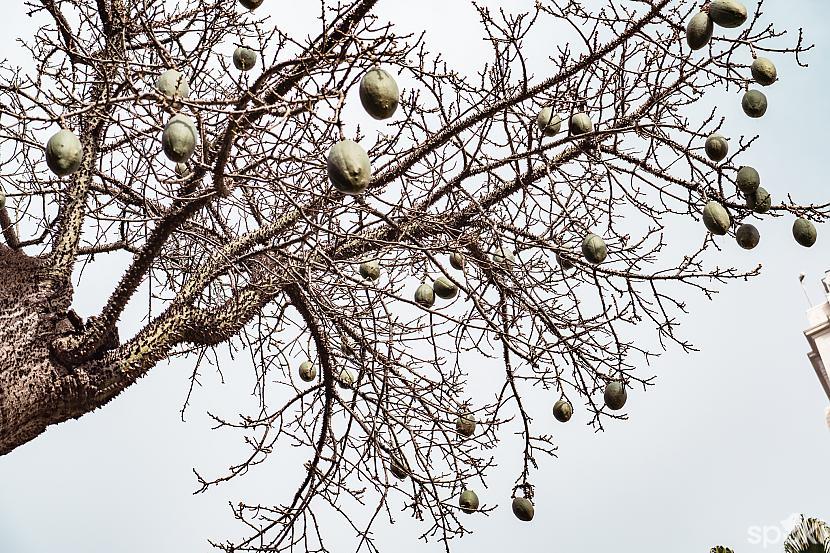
column 747, row 236
column 804, row 232
column 716, row 218
column 370, row 269
column 615, row 395
column 580, row 124
column 727, row 13
column 64, row 153
column 594, row 249
column 563, row 410
column 716, row 147
column 523, row 509
column 307, row 371
column 468, row 501
column 748, row 180
column 444, row 288
column 548, row 122
column 348, row 167
column 764, row 72
column 754, row 103
column 244, row 58
column 173, row 83
column 699, row 31
column 379, row 94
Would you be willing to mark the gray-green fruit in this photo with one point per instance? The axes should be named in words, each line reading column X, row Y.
column 308, row 371
column 760, row 201
column 370, row 269
column 398, row 468
column 379, row 94
column 465, row 424
column 548, row 121
column 251, row 4
column 764, row 71
column 179, row 138
column 716, row 218
column 716, row 147
column 564, row 262
column 699, row 31
column 804, row 232
column 523, row 509
column 64, row 153
column 244, row 59
column 173, row 83
column 425, row 296
column 348, row 167
column 748, row 180
column 580, row 124
column 727, row 13
column 504, row 258
column 468, row 501
column 594, row 249
column 457, row 261
column 444, row 288
column 563, row 410
column 747, row 236
column 615, row 395
column 754, row 103
column 345, row 379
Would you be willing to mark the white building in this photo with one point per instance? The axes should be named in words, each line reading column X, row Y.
column 818, row 335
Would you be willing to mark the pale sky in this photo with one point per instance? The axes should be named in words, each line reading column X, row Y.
column 728, row 445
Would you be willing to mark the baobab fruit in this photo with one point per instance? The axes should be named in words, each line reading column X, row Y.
column 444, row 288
column 244, row 59
column 179, row 138
column 764, row 71
column 379, row 94
column 465, row 424
column 564, row 262
column 504, row 258
column 398, row 468
column 523, row 509
column 716, row 147
column 370, row 270
column 804, row 232
column 716, row 218
column 699, row 31
column 747, row 236
column 615, row 395
column 563, row 410
column 594, row 249
column 251, row 4
column 580, row 124
column 307, row 371
column 754, row 103
column 457, row 261
column 548, row 122
column 748, row 180
column 727, row 13
column 64, row 153
column 348, row 167
column 425, row 296
column 345, row 379
column 760, row 201
column 173, row 83
column 468, row 501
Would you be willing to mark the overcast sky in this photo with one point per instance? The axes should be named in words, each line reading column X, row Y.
column 728, row 445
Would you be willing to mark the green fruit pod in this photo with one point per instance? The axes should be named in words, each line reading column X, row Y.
column 503, row 258
column 754, row 103
column 580, row 124
column 804, row 232
column 727, row 13
column 468, row 501
column 563, row 410
column 307, row 371
column 64, row 153
column 173, row 83
column 379, row 94
column 615, row 395
column 465, row 424
column 244, row 59
column 594, row 249
column 716, row 147
column 398, row 468
column 748, row 180
column 564, row 262
column 251, row 4
column 699, row 31
column 425, row 296
column 760, row 201
column 523, row 509
column 444, row 288
column 716, row 218
column 370, row 269
column 457, row 261
column 747, row 236
column 179, row 138
column 548, row 121
column 345, row 379
column 764, row 72
column 348, row 167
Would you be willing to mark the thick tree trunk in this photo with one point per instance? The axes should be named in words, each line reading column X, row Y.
column 35, row 391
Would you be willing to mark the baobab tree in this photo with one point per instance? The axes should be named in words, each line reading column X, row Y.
column 536, row 207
